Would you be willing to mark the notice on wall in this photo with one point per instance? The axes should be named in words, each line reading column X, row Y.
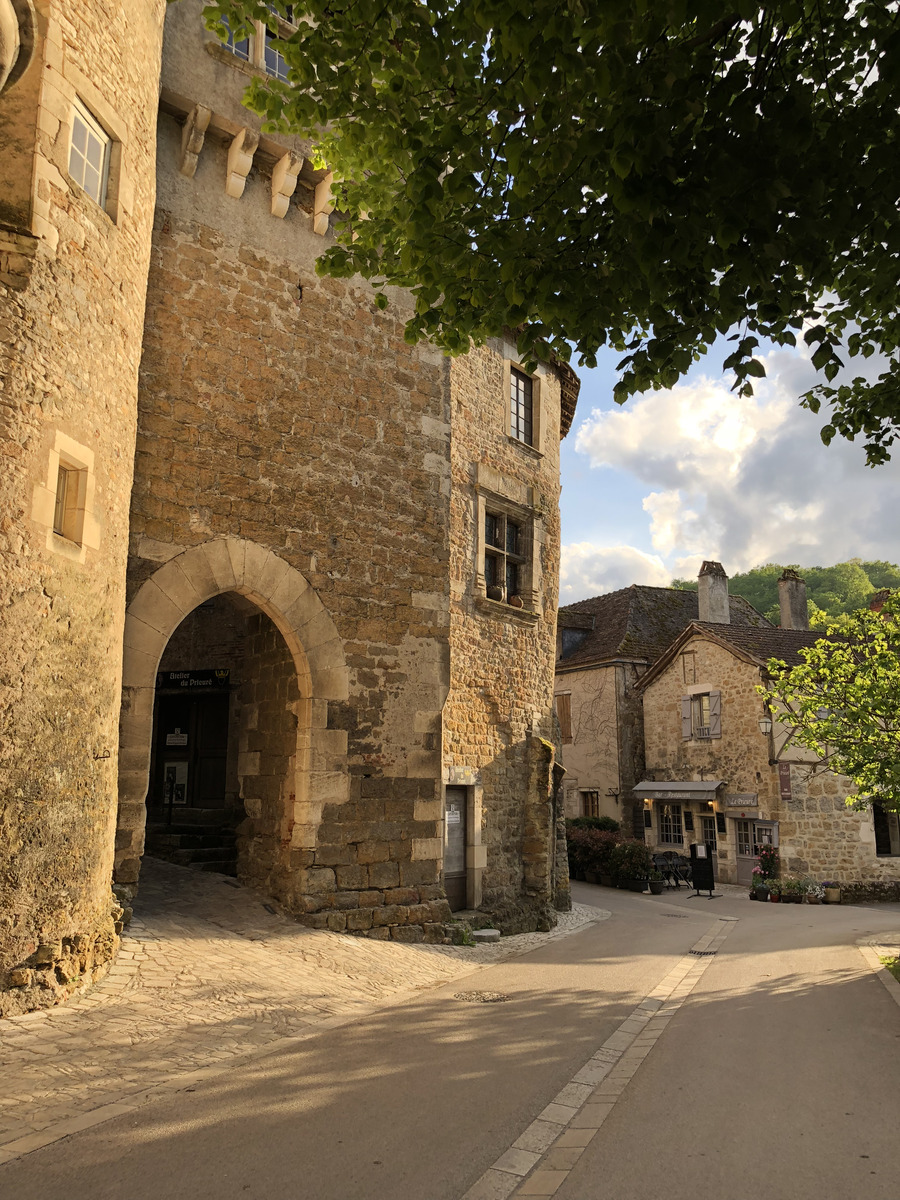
column 453, row 816
column 784, row 780
column 214, row 677
column 177, row 738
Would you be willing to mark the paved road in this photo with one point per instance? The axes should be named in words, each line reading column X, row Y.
column 622, row 1066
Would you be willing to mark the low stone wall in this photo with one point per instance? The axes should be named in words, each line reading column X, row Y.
column 884, row 891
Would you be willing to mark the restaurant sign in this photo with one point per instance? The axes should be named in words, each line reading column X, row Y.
column 742, row 800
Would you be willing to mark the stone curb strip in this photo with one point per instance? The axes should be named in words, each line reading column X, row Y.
column 539, row 1161
column 874, row 949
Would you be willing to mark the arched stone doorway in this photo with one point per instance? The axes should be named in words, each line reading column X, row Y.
column 286, row 764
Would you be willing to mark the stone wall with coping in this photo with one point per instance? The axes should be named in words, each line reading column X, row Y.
column 72, row 288
column 498, row 720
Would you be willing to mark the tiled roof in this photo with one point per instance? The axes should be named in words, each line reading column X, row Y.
column 639, row 622
column 763, row 643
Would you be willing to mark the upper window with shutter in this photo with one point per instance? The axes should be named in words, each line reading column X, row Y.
column 564, row 715
column 701, row 716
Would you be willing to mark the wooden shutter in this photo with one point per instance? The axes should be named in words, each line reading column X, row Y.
column 564, row 715
column 715, row 714
column 688, row 821
column 720, row 822
column 685, row 717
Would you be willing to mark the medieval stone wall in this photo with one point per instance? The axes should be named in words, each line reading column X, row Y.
column 500, row 702
column 72, row 285
column 287, row 412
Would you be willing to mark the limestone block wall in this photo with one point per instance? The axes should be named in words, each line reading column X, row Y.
column 501, row 695
column 72, row 286
column 820, row 836
column 284, row 422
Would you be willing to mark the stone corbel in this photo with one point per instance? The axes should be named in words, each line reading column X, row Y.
column 192, row 138
column 240, row 160
column 322, row 205
column 284, row 182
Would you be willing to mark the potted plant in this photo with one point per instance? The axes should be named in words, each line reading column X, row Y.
column 814, row 892
column 774, row 886
column 790, row 890
column 758, row 888
column 657, row 883
column 631, row 863
column 832, row 890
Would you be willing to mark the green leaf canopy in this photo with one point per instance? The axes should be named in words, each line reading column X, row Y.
column 641, row 174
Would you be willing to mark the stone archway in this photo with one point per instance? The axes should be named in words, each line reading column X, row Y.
column 281, row 592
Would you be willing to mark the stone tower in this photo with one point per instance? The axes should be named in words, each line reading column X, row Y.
column 280, row 589
column 77, row 138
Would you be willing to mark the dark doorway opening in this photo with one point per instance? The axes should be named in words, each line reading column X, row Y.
column 455, row 823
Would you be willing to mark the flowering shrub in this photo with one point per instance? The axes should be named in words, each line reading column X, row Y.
column 769, row 862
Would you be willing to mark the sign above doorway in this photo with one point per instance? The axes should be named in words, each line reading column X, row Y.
column 210, row 678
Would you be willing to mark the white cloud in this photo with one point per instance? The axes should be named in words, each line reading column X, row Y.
column 589, row 570
column 746, row 480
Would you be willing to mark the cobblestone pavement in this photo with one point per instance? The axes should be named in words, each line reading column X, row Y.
column 207, row 973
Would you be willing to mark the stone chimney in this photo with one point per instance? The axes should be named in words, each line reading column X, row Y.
column 792, row 601
column 712, row 594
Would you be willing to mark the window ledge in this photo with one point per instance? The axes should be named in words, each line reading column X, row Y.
column 497, row 608
column 530, row 450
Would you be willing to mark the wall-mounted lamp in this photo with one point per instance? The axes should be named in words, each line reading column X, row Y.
column 765, row 725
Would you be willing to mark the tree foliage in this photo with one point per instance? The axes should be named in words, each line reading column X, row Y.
column 832, row 592
column 843, row 703
column 643, row 174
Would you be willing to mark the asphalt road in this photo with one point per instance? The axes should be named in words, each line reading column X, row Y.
column 775, row 1079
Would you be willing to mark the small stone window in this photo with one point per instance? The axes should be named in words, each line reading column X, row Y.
column 590, row 804
column 64, row 502
column 521, row 407
column 89, row 154
column 68, row 511
column 260, row 50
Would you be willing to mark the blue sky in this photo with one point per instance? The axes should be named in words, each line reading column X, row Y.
column 653, row 487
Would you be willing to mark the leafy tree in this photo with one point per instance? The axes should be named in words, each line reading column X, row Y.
column 843, row 703
column 644, row 174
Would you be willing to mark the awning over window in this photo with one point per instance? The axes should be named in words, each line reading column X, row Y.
column 696, row 789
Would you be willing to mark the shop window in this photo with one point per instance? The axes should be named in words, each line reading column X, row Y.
column 671, row 830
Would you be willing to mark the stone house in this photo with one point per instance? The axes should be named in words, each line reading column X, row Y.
column 274, row 582
column 710, row 774
column 605, row 645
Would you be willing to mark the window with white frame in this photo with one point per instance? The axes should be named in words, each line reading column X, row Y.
column 670, row 825
column 89, row 154
column 261, row 48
